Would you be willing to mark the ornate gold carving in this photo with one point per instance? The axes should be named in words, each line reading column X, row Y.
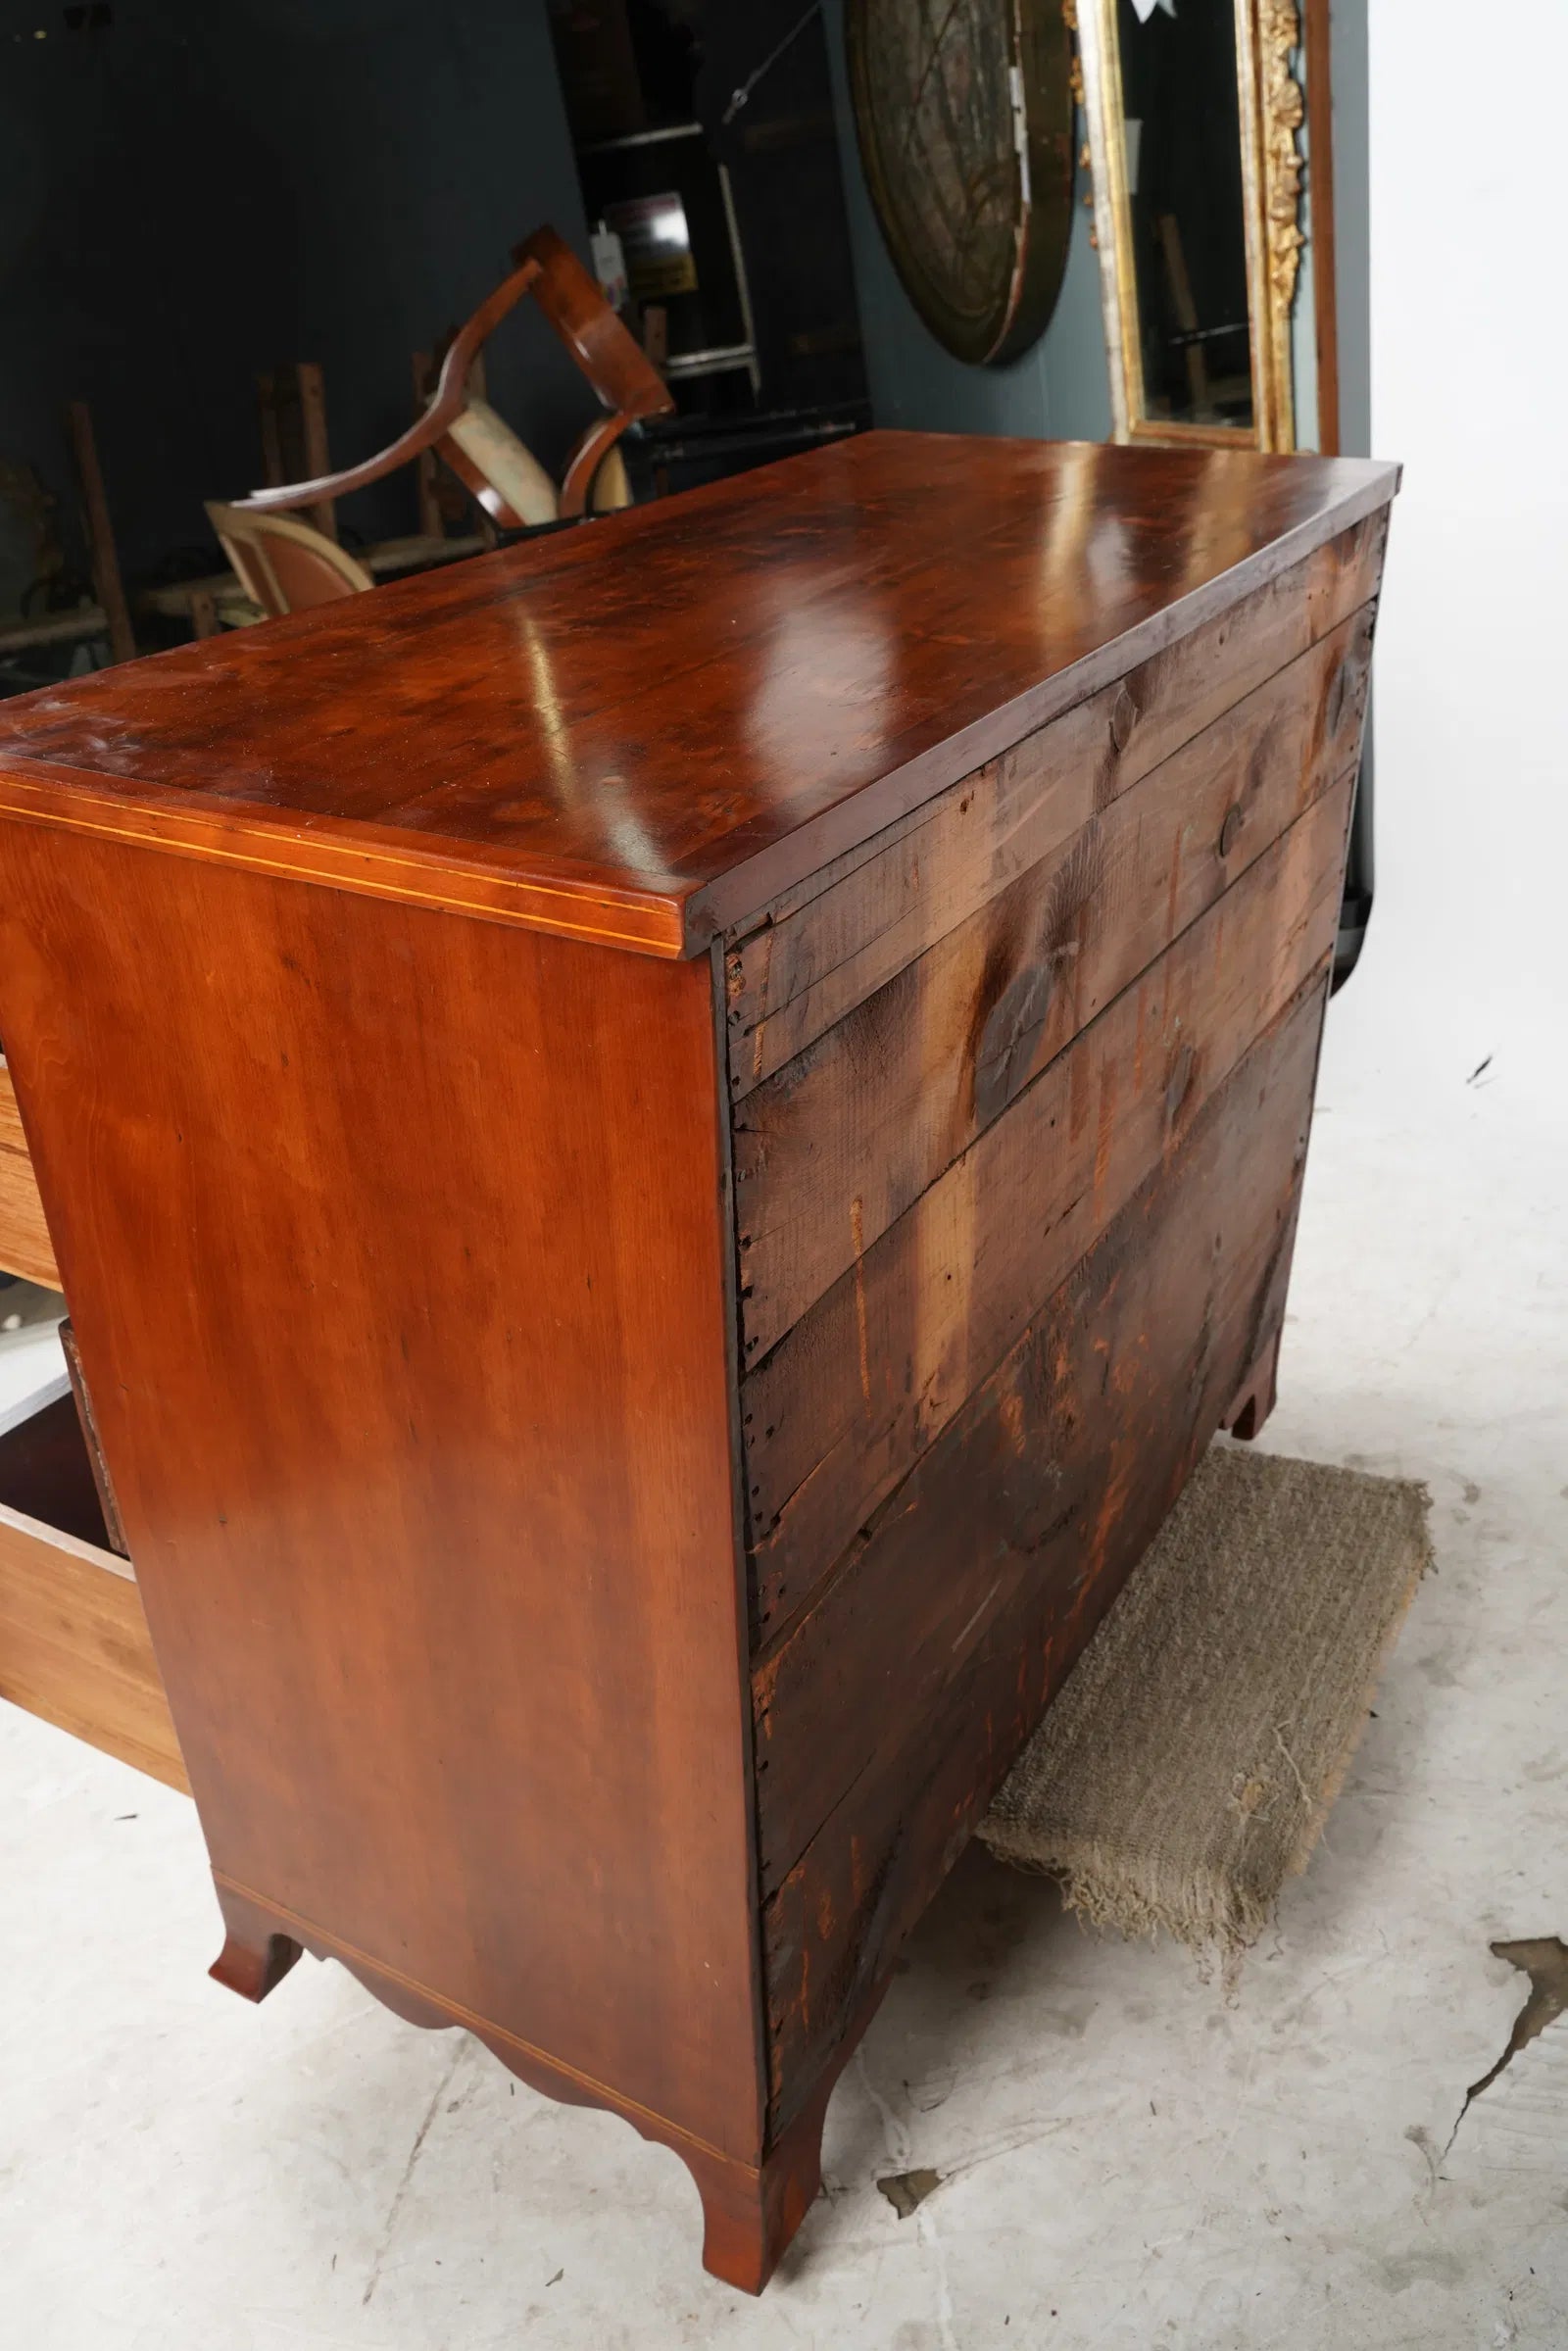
column 1272, row 110
column 1075, row 83
column 1283, row 107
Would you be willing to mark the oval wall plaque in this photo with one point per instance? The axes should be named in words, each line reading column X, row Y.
column 964, row 113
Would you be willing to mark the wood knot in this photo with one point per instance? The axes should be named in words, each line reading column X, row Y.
column 1179, row 1084
column 1230, row 831
column 1004, row 1054
column 1124, row 716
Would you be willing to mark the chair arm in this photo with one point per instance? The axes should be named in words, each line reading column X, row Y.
column 584, row 462
column 448, row 402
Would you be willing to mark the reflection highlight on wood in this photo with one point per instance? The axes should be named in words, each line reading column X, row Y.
column 640, row 760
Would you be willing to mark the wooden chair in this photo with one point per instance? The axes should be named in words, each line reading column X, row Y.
column 291, row 410
column 108, row 615
column 627, row 384
column 283, row 565
column 482, row 449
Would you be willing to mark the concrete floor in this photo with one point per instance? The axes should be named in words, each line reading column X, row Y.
column 1126, row 2159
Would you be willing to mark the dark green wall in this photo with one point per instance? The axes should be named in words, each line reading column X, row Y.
column 205, row 187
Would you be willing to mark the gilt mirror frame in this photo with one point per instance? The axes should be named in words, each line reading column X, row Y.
column 1272, row 109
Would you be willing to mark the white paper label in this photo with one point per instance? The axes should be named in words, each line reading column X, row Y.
column 609, row 265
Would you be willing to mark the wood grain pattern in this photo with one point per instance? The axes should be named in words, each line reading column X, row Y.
column 25, row 1245
column 649, row 728
column 837, row 938
column 367, row 1280
column 846, row 1402
column 891, row 1715
column 835, row 1146
column 74, row 1641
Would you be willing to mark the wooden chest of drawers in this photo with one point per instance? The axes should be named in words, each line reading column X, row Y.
column 664, row 1149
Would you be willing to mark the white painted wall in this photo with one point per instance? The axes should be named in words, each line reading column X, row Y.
column 1468, row 949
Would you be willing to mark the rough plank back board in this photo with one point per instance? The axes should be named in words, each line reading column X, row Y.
column 824, row 947
column 834, row 1147
column 842, row 1406
column 896, row 1708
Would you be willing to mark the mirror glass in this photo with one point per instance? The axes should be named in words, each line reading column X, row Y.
column 1186, row 203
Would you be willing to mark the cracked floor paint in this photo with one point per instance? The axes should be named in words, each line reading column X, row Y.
column 1545, row 1960
column 1129, row 2159
column 907, row 2190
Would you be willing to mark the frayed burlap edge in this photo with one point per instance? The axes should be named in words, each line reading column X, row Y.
column 1214, row 1912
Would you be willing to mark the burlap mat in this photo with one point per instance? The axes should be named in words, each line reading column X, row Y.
column 1188, row 1765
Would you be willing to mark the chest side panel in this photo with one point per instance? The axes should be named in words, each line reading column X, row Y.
column 395, row 1252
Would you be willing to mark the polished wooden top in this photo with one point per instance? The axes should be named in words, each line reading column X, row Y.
column 640, row 731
